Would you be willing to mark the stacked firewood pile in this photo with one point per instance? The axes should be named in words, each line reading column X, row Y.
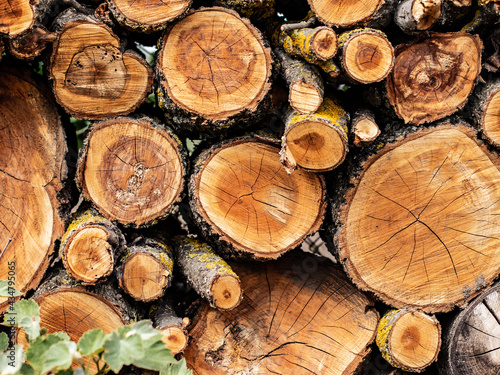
column 261, row 128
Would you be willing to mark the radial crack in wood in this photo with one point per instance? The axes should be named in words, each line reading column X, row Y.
column 433, row 78
column 132, row 170
column 420, row 228
column 298, row 316
column 241, row 195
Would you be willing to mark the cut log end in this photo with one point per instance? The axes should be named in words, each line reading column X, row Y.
column 226, row 291
column 490, row 121
column 305, row 97
column 144, row 277
column 344, row 13
column 324, row 43
column 409, row 339
column 175, row 338
column 216, row 77
column 247, row 198
column 16, row 17
column 132, row 170
column 365, row 129
column 426, row 13
column 367, row 55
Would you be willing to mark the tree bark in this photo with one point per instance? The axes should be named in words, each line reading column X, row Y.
column 409, row 339
column 132, row 170
column 417, row 15
column 31, row 45
column 299, row 315
column 90, row 246
column 316, row 142
column 419, row 227
column 209, row 274
column 173, row 328
column 207, row 84
column 32, row 173
column 242, row 198
column 320, row 43
column 433, row 78
column 92, row 78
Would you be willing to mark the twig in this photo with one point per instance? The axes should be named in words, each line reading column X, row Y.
column 300, row 25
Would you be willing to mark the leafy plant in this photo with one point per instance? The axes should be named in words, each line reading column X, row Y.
column 137, row 344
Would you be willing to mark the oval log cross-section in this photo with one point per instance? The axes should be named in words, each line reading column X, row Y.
column 243, row 192
column 421, row 227
column 132, row 170
column 298, row 316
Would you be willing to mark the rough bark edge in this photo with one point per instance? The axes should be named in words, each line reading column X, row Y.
column 351, row 187
column 183, row 119
column 183, row 155
column 38, row 37
column 61, row 26
column 405, row 19
column 217, row 237
column 481, row 100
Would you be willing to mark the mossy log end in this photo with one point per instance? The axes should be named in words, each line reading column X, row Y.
column 299, row 315
column 242, row 198
column 92, row 78
column 32, row 173
column 133, row 170
column 409, row 339
column 315, row 142
column 211, row 81
column 433, row 78
column 419, row 227
column 90, row 246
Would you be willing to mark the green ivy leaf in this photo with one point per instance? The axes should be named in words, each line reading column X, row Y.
column 24, row 314
column 60, row 356
column 8, row 291
column 39, row 353
column 12, row 360
column 26, row 370
column 122, row 347
column 178, row 368
column 92, row 342
column 4, row 341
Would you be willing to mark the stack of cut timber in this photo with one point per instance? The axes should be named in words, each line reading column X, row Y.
column 206, row 161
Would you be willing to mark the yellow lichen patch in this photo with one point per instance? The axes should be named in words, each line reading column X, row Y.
column 206, row 254
column 86, row 218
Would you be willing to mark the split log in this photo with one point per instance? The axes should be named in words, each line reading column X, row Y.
column 299, row 315
column 132, row 170
column 89, row 247
column 92, row 78
column 433, row 78
column 316, row 142
column 305, row 84
column 32, row 170
column 146, row 270
column 417, row 15
column 30, row 45
column 173, row 328
column 419, row 227
column 16, row 17
column 209, row 275
column 364, row 127
column 242, row 198
column 486, row 111
column 212, row 81
column 367, row 55
column 409, row 339
column 471, row 342
column 318, row 44
column 147, row 15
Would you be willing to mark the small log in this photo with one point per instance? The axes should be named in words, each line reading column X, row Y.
column 33, row 168
column 430, row 206
column 367, row 55
column 30, row 45
column 316, row 142
column 417, row 15
column 242, row 198
column 486, row 111
column 209, row 275
column 471, row 341
column 299, row 315
column 320, row 43
column 212, row 81
column 433, row 78
column 364, row 127
column 16, row 17
column 92, row 78
column 173, row 328
column 132, row 170
column 409, row 339
column 305, row 84
column 147, row 15
column 146, row 270
column 345, row 13
column 89, row 247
